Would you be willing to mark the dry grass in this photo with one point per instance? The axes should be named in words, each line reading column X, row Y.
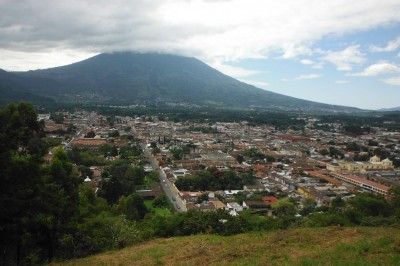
column 306, row 246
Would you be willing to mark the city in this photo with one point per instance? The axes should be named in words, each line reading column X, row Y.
column 310, row 163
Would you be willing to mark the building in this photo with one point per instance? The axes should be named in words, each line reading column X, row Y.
column 363, row 183
column 349, row 165
column 91, row 144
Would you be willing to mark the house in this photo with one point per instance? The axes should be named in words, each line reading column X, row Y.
column 254, row 188
column 180, row 173
column 91, row 144
column 151, row 193
column 234, row 208
column 258, row 207
column 269, row 200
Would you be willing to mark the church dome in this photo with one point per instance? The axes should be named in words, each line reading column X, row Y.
column 375, row 159
column 387, row 162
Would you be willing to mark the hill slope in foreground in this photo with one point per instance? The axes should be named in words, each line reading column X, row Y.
column 305, row 246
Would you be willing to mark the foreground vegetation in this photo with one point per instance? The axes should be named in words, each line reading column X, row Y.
column 306, row 246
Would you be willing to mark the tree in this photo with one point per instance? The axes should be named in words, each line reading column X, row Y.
column 105, row 148
column 60, row 201
column 308, row 206
column 240, row 158
column 324, row 152
column 58, row 118
column 161, row 202
column 284, row 208
column 338, row 203
column 368, row 204
column 132, row 207
column 353, row 147
column 20, row 183
column 113, row 133
column 155, row 150
column 177, row 153
column 85, row 171
column 394, row 201
column 203, row 197
column 90, row 134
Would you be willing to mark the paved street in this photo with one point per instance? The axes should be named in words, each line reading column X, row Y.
column 169, row 188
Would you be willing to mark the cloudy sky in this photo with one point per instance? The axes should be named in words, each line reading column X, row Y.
column 341, row 52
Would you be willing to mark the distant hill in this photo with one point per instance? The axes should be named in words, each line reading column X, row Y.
column 305, row 246
column 389, row 109
column 132, row 78
column 11, row 90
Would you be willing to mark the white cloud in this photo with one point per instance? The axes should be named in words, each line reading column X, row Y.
column 291, row 51
column 376, row 69
column 259, row 84
column 392, row 81
column 209, row 30
column 236, row 72
column 36, row 60
column 285, row 80
column 345, row 59
column 342, row 81
column 391, row 46
column 313, row 64
column 308, row 76
column 307, row 62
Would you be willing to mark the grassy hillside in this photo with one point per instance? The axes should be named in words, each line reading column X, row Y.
column 305, row 246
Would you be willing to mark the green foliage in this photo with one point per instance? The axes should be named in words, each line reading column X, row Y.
column 90, row 134
column 85, row 171
column 285, row 209
column 18, row 125
column 203, row 197
column 86, row 158
column 155, row 150
column 254, row 154
column 240, row 159
column 370, row 205
column 326, row 219
column 213, row 179
column 132, row 207
column 335, row 152
column 113, row 133
column 353, row 147
column 203, row 129
column 324, row 152
column 161, row 202
column 177, row 153
column 57, row 117
column 21, row 184
column 372, row 143
column 120, row 179
column 309, row 206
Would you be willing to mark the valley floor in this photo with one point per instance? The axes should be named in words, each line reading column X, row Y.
column 304, row 246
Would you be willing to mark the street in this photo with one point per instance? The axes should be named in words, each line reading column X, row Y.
column 168, row 187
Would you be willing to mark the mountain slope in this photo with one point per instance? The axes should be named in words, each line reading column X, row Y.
column 304, row 246
column 11, row 90
column 389, row 109
column 129, row 78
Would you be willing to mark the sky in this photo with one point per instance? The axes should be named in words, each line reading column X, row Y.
column 338, row 52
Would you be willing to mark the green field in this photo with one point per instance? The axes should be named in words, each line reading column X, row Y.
column 305, row 246
column 159, row 211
